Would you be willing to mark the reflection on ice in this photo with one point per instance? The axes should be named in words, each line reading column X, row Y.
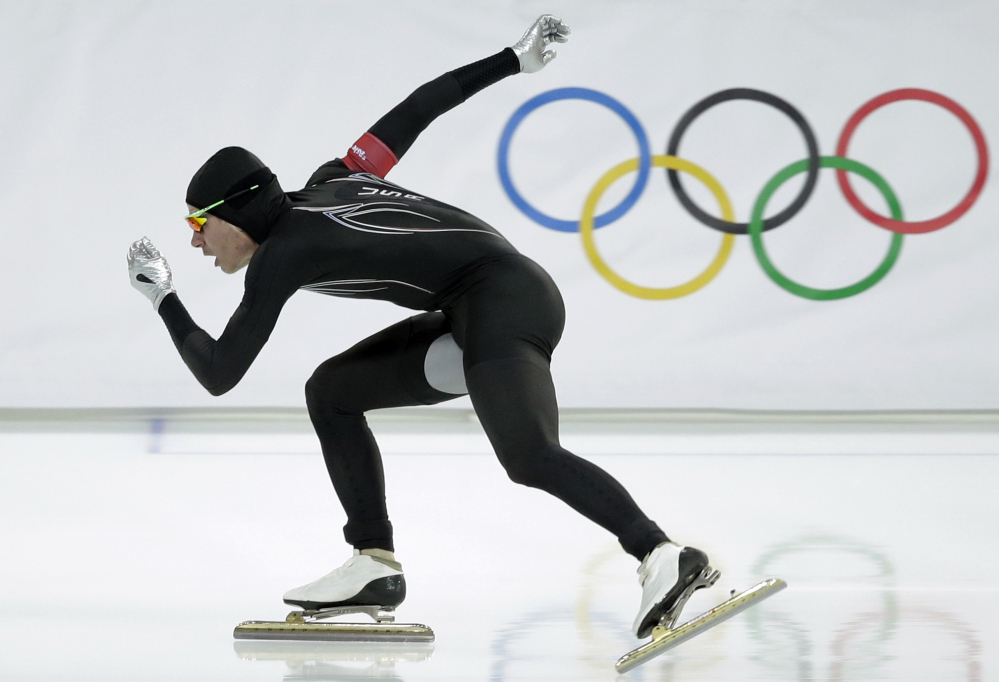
column 844, row 617
column 850, row 621
column 543, row 645
column 335, row 660
column 940, row 644
column 835, row 579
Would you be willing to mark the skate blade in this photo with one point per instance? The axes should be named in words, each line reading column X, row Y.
column 664, row 640
column 333, row 632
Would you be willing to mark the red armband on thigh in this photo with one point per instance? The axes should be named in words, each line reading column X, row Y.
column 370, row 155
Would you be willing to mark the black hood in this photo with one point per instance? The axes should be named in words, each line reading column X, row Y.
column 232, row 170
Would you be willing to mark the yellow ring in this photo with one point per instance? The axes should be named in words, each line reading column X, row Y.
column 653, row 293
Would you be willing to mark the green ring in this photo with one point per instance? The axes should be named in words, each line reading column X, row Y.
column 756, row 229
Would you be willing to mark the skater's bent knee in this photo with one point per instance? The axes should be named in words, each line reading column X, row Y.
column 519, row 474
column 323, row 394
column 316, row 388
column 529, row 466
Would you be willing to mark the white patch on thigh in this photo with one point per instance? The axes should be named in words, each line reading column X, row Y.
column 443, row 367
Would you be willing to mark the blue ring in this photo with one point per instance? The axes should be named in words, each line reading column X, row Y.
column 644, row 157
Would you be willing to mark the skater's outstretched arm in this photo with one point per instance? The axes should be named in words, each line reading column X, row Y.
column 220, row 364
column 386, row 141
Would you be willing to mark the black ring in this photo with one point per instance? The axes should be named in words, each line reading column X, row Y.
column 756, row 96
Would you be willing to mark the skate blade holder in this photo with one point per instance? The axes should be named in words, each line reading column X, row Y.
column 379, row 614
column 665, row 638
column 311, row 625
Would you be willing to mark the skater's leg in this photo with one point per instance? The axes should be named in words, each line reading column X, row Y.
column 515, row 401
column 508, row 325
column 388, row 369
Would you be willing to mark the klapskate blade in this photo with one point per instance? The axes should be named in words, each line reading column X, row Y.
column 334, row 632
column 696, row 626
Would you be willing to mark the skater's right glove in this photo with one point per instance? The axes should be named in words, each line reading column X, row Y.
column 531, row 48
column 149, row 272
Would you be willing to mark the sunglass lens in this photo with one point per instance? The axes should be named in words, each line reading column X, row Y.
column 196, row 223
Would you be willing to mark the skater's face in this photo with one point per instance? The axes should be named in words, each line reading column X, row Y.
column 231, row 247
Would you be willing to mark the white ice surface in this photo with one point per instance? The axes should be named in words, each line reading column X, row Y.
column 118, row 563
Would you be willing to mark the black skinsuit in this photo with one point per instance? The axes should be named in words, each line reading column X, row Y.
column 351, row 233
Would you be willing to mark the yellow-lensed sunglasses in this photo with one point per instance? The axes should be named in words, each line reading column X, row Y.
column 197, row 219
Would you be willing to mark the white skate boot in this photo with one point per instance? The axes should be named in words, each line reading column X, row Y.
column 669, row 575
column 363, row 580
column 365, row 584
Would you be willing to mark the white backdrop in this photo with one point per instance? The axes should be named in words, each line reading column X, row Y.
column 107, row 109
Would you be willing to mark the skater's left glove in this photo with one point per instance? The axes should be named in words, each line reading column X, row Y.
column 531, row 48
column 149, row 272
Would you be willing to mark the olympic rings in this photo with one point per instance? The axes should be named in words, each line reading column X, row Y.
column 591, row 96
column 757, row 224
column 757, row 96
column 924, row 225
column 675, row 164
column 842, row 165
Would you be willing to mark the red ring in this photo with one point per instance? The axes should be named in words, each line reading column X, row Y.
column 914, row 227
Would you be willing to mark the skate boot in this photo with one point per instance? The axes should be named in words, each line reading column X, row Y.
column 363, row 581
column 669, row 575
column 365, row 584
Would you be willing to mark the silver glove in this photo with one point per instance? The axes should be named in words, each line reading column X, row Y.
column 531, row 48
column 149, row 272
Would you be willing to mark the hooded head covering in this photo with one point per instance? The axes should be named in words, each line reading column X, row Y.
column 232, row 170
